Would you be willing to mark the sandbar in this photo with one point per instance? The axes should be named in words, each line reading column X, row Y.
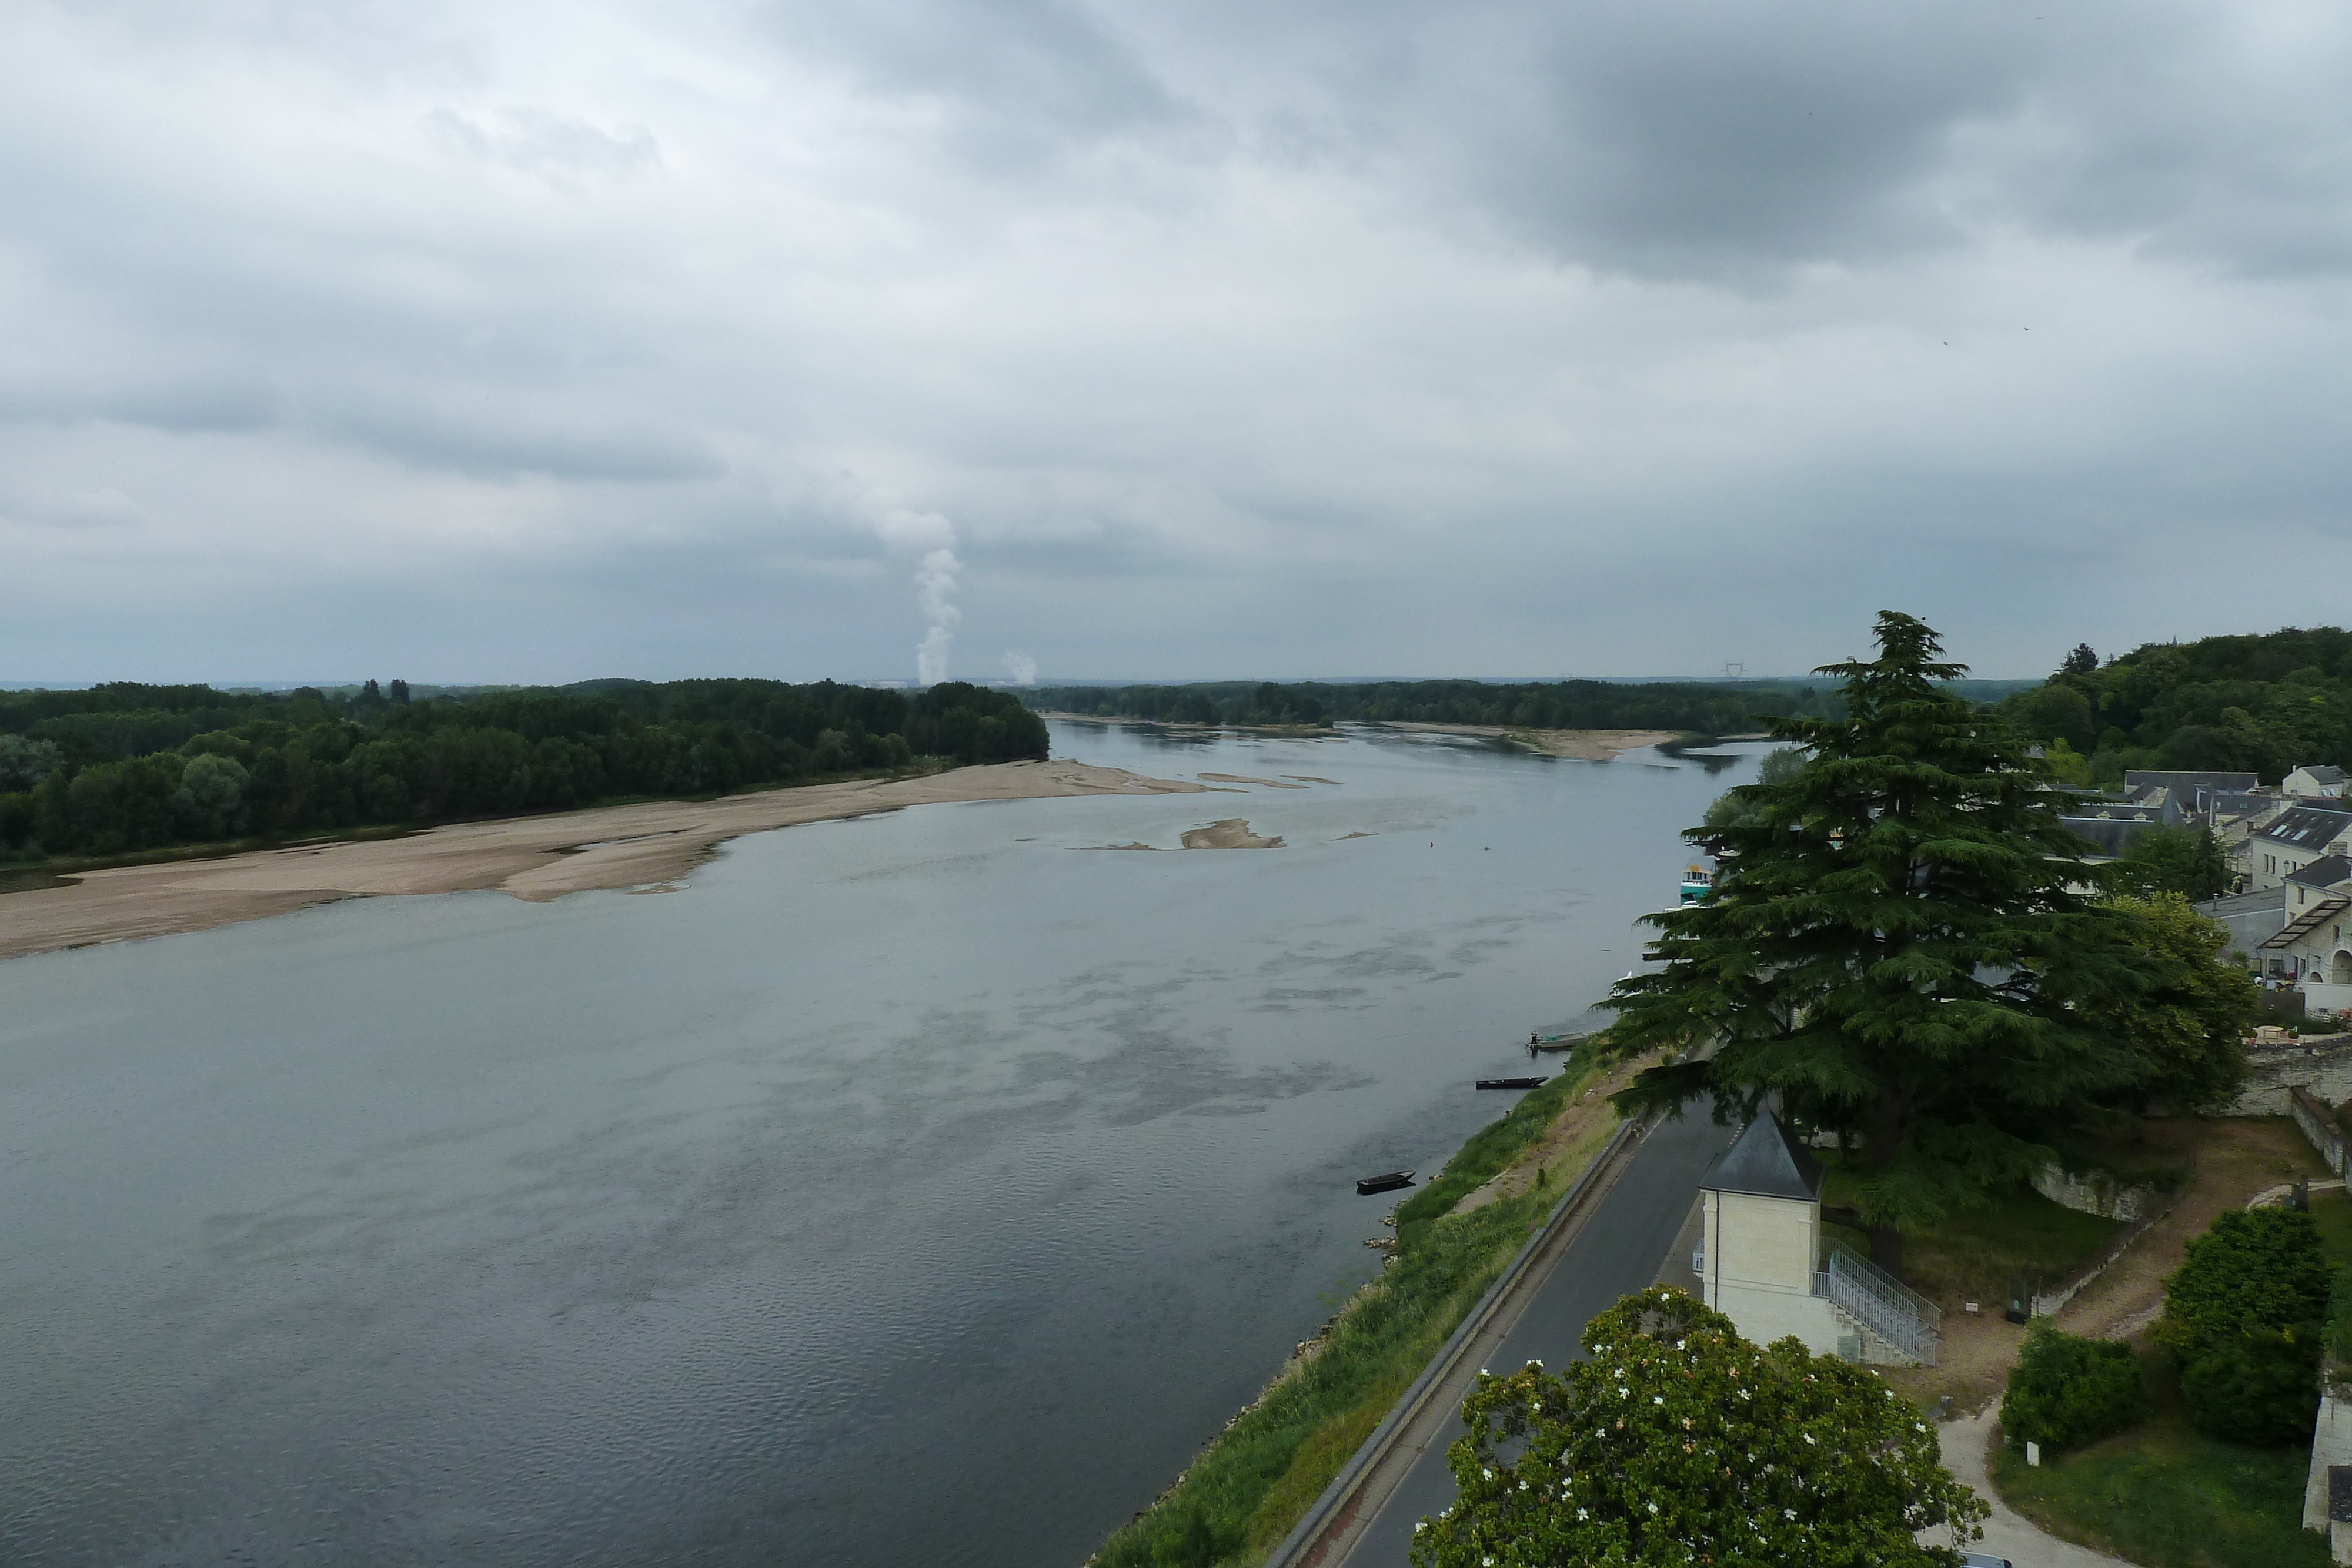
column 1245, row 778
column 1581, row 745
column 1232, row 833
column 534, row 858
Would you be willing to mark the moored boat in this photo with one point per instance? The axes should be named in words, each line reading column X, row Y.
column 1510, row 1082
column 1367, row 1186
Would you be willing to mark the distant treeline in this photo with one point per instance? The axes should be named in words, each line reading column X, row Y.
column 2265, row 704
column 1703, row 708
column 126, row 766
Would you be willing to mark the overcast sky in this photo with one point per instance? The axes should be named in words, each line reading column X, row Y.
column 501, row 340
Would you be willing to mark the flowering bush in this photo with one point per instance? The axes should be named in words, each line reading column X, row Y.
column 1680, row 1443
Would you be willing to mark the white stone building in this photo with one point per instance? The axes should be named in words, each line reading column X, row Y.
column 1761, row 1262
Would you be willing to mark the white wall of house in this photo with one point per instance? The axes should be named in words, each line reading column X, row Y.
column 2268, row 862
column 2300, row 782
column 1761, row 1254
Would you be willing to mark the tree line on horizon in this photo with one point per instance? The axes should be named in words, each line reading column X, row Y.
column 125, row 765
column 1690, row 706
column 2264, row 704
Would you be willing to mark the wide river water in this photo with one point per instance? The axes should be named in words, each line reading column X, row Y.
column 923, row 1190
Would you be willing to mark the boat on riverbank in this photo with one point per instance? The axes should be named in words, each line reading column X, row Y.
column 1367, row 1186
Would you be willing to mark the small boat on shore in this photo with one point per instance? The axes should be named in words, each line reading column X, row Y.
column 1367, row 1186
column 1559, row 1041
column 1510, row 1082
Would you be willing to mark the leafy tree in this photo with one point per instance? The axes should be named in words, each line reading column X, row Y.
column 2186, row 860
column 2261, row 1389
column 1779, row 764
column 1680, row 1443
column 1896, row 949
column 2187, row 1024
column 210, row 800
column 2068, row 766
column 2243, row 1316
column 2052, row 712
column 2253, row 1269
column 400, row 693
column 24, row 762
column 2081, row 661
column 2066, row 1391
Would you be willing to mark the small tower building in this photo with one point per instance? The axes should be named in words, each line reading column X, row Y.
column 1760, row 1257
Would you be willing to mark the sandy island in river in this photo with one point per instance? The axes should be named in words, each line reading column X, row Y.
column 1583, row 744
column 535, row 858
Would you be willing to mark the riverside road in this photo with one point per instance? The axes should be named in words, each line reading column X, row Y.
column 1619, row 1247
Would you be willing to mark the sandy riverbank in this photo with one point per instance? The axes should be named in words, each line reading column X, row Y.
column 1581, row 745
column 534, row 858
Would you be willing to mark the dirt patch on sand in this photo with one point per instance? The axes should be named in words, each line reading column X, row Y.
column 1579, row 745
column 1232, row 833
column 534, row 858
column 1245, row 778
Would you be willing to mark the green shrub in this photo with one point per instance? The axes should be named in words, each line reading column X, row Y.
column 2066, row 1391
column 2259, row 1389
column 2244, row 1316
column 2259, row 1269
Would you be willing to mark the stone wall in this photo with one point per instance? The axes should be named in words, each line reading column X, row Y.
column 2318, row 1125
column 2323, row 1064
column 2094, row 1192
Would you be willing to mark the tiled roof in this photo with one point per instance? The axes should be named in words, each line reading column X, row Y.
column 2307, row 827
column 2325, row 872
column 1766, row 1161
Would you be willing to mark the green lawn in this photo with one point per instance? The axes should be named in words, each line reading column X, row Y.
column 2166, row 1495
column 1974, row 1252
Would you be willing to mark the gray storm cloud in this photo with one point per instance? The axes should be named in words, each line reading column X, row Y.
column 1236, row 340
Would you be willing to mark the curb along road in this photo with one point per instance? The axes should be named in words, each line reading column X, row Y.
column 1431, row 1407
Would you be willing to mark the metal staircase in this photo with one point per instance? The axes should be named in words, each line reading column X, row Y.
column 1905, row 1325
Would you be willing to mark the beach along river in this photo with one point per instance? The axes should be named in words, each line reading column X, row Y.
column 920, row 1189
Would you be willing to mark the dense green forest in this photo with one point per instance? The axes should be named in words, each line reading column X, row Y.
column 2261, row 704
column 1698, row 707
column 127, row 767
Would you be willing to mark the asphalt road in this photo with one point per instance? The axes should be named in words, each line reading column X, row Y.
column 1617, row 1250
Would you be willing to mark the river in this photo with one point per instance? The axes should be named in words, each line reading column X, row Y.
column 918, row 1189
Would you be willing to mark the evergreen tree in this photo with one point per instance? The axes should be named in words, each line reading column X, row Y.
column 2081, row 661
column 1895, row 947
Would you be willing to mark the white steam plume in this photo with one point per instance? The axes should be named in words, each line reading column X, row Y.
column 1022, row 668
column 936, row 568
column 935, row 585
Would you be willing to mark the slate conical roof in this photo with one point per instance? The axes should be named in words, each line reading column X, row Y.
column 1766, row 1161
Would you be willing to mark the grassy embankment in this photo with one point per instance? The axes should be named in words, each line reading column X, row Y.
column 2166, row 1495
column 1243, row 1494
column 1972, row 1253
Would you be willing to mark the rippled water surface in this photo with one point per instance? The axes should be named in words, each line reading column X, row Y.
column 921, row 1189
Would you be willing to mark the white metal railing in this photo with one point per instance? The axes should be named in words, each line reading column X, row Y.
column 1900, row 1317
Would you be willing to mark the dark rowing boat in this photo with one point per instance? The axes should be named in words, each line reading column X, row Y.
column 1367, row 1186
column 1510, row 1083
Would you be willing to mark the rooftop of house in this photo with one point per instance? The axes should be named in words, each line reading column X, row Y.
column 2262, row 901
column 2321, row 773
column 2325, row 872
column 2307, row 827
column 1766, row 1161
column 2188, row 782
